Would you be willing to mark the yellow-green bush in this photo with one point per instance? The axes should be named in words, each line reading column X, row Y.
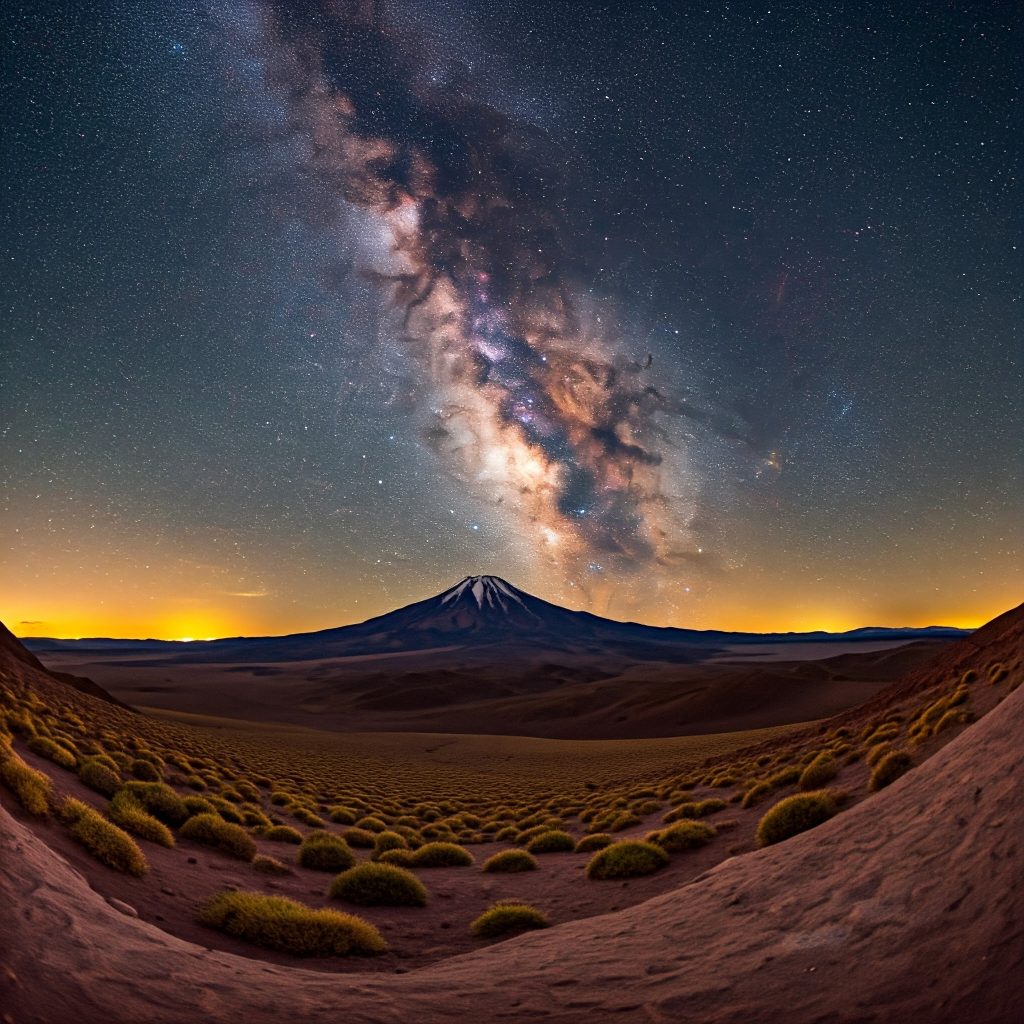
column 283, row 834
column 823, row 769
column 552, row 841
column 627, row 859
column 322, row 851
column 159, row 800
column 55, row 752
column 441, row 855
column 507, row 918
column 103, row 839
column 684, row 835
column 288, row 926
column 508, row 861
column 33, row 789
column 795, row 814
column 379, row 885
column 889, row 769
column 593, row 842
column 100, row 775
column 127, row 812
column 215, row 832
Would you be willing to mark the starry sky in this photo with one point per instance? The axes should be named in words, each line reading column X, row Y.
column 703, row 315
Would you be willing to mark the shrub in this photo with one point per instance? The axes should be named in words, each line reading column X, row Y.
column 145, row 770
column 160, row 800
column 685, row 835
column 595, row 841
column 554, row 841
column 510, row 861
column 756, row 793
column 371, row 824
column 954, row 716
column 341, row 815
column 127, row 812
column 60, row 756
column 441, row 855
column 627, row 859
column 889, row 769
column 270, row 865
column 322, row 851
column 198, row 805
column 100, row 777
column 33, row 789
column 697, row 809
column 104, row 840
column 821, row 770
column 379, row 885
column 359, row 837
column 402, row 858
column 388, row 841
column 283, row 834
column 276, row 922
column 876, row 753
column 795, row 814
column 507, row 919
column 213, row 831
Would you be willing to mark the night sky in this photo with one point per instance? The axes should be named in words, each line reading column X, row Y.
column 706, row 317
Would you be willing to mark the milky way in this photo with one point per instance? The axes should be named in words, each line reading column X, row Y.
column 537, row 405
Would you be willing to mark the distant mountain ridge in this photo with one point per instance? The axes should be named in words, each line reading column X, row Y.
column 479, row 611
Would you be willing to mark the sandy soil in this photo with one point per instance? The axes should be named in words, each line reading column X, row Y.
column 908, row 908
column 552, row 698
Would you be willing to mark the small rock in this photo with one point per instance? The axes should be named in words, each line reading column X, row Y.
column 166, row 891
column 124, row 908
column 192, row 860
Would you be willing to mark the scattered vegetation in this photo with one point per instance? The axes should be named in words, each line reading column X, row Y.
column 127, row 812
column 507, row 919
column 283, row 834
column 379, row 885
column 322, row 851
column 288, row 926
column 441, row 855
column 684, row 835
column 795, row 814
column 221, row 835
column 32, row 788
column 627, row 859
column 889, row 769
column 553, row 841
column 510, row 861
column 821, row 771
column 104, row 840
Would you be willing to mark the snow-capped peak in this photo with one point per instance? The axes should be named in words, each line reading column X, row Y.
column 486, row 591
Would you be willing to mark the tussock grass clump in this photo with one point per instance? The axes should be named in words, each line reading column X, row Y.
column 215, row 832
column 52, row 751
column 270, row 865
column 595, row 841
column 684, row 835
column 756, row 793
column 441, row 855
column 876, row 753
column 628, row 858
column 359, row 838
column 379, row 885
column 283, row 834
column 341, row 815
column 388, row 841
column 127, row 812
column 553, row 841
column 100, row 775
column 145, row 770
column 507, row 918
column 159, row 800
column 822, row 770
column 401, row 858
column 509, row 861
column 322, row 851
column 889, row 769
column 288, row 926
column 695, row 809
column 198, row 805
column 795, row 814
column 104, row 840
column 33, row 789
